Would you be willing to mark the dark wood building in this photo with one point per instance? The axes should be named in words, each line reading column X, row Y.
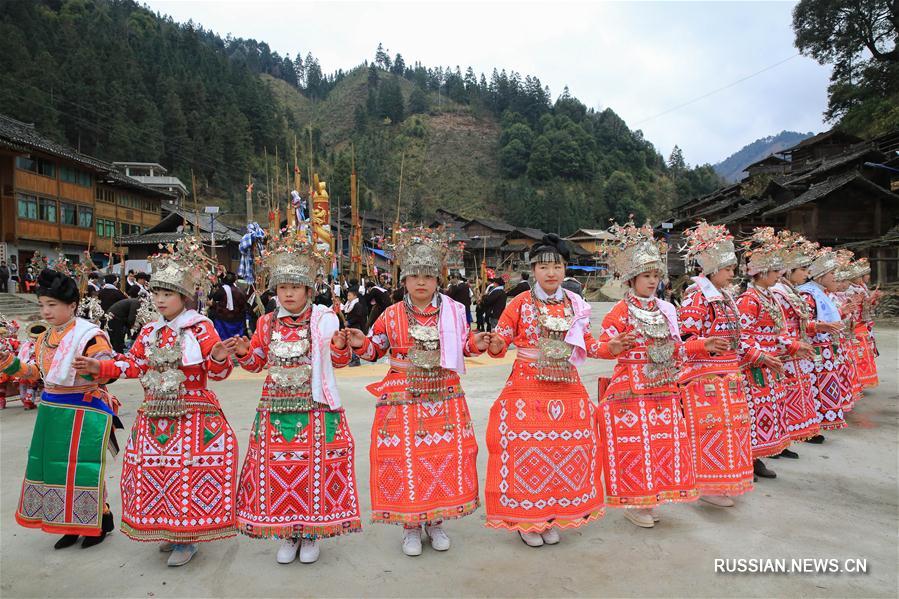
column 171, row 228
column 834, row 188
column 54, row 199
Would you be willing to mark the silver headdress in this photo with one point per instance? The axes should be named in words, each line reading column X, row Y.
column 762, row 252
column 184, row 269
column 798, row 251
column 292, row 258
column 825, row 261
column 635, row 251
column 421, row 251
column 709, row 246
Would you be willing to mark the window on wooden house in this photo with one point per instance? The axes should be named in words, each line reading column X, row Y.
column 27, row 206
column 46, row 168
column 67, row 214
column 47, row 210
column 85, row 217
column 26, row 164
column 74, row 175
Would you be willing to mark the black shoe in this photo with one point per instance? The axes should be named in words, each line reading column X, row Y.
column 66, row 541
column 759, row 468
column 774, row 457
column 817, row 440
column 755, row 478
column 786, row 453
column 106, row 526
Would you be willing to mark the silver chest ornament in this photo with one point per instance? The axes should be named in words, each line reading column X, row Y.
column 425, row 376
column 553, row 363
column 290, row 372
column 164, row 379
column 653, row 326
column 285, row 362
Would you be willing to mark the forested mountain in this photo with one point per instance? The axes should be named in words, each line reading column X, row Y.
column 731, row 168
column 123, row 83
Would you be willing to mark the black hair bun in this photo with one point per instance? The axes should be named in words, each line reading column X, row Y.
column 52, row 283
column 552, row 243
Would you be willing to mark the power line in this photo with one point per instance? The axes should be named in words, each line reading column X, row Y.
column 715, row 91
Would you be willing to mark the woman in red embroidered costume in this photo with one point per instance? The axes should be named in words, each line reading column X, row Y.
column 64, row 491
column 423, row 447
column 543, row 471
column 864, row 323
column 830, row 382
column 801, row 412
column 849, row 304
column 298, row 481
column 763, row 346
column 648, row 458
column 711, row 387
column 178, row 477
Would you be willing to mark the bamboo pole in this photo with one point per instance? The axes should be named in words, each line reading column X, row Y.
column 249, row 198
column 396, row 222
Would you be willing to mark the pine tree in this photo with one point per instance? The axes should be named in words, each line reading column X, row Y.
column 390, row 101
column 399, row 65
column 418, row 101
column 360, row 119
column 676, row 162
column 300, row 69
column 382, row 59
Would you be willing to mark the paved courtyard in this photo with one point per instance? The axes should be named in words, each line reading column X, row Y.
column 839, row 500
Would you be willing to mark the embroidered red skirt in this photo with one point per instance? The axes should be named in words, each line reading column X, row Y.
column 829, row 386
column 423, row 455
column 767, row 411
column 647, row 454
column 852, row 383
column 298, row 478
column 178, row 478
column 867, row 357
column 718, row 425
column 543, row 469
column 801, row 412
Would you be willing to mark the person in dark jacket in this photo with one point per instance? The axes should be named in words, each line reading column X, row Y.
column 228, row 304
column 461, row 292
column 378, row 299
column 572, row 284
column 4, row 277
column 93, row 284
column 522, row 286
column 141, row 285
column 109, row 293
column 124, row 313
column 494, row 303
column 323, row 292
column 355, row 314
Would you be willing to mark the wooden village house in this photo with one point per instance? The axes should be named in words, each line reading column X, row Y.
column 833, row 188
column 54, row 199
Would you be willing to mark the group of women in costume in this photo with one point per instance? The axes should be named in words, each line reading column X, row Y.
column 698, row 396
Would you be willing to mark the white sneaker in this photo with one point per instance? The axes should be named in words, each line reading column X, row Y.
column 166, row 547
column 718, row 500
column 640, row 517
column 181, row 554
column 654, row 512
column 309, row 551
column 412, row 541
column 288, row 551
column 439, row 539
column 531, row 539
column 551, row 536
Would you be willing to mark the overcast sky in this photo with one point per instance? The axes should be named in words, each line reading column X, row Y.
column 641, row 59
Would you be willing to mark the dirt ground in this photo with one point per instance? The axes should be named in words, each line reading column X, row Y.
column 839, row 500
